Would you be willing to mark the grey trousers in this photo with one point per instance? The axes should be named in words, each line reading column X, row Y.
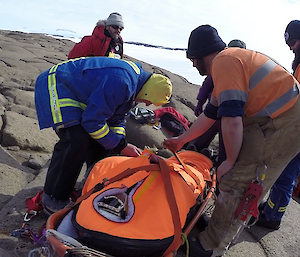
column 269, row 145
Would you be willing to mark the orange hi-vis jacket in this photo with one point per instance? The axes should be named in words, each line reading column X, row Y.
column 251, row 84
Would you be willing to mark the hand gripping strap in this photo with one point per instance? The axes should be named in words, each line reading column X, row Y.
column 187, row 170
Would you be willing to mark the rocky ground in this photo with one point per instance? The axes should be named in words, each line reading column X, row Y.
column 25, row 149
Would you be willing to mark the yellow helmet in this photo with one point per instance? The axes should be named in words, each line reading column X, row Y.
column 157, row 90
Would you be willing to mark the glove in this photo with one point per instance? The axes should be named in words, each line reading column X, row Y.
column 122, row 144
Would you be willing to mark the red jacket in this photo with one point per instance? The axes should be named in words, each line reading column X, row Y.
column 94, row 45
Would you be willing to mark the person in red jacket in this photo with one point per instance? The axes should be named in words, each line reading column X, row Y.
column 105, row 40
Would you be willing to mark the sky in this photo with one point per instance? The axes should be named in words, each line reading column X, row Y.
column 259, row 23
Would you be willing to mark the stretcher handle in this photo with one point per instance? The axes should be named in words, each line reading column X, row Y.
column 211, row 193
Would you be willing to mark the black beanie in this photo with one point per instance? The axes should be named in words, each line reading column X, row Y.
column 237, row 43
column 292, row 31
column 203, row 41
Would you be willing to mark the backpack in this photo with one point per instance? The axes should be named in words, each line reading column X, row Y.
column 172, row 125
column 141, row 207
column 172, row 120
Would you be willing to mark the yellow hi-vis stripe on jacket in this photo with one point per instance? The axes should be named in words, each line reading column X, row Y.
column 272, row 205
column 101, row 132
column 56, row 103
column 105, row 130
column 134, row 66
column 118, row 130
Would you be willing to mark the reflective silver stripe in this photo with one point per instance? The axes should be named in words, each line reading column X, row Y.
column 118, row 130
column 54, row 104
column 101, row 132
column 65, row 102
column 261, row 73
column 53, row 69
column 235, row 94
column 54, row 101
column 213, row 101
column 278, row 103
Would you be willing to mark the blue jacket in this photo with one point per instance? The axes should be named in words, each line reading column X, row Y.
column 96, row 92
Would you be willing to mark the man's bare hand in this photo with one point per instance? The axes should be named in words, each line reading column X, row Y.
column 131, row 151
column 225, row 167
column 173, row 144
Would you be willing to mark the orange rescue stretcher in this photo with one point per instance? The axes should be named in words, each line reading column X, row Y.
column 179, row 181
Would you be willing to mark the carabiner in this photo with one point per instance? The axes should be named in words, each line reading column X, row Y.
column 26, row 216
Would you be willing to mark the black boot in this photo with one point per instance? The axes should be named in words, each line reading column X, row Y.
column 196, row 248
column 270, row 224
column 202, row 222
column 261, row 208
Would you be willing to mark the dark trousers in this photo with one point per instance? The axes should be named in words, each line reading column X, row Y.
column 281, row 191
column 204, row 141
column 74, row 148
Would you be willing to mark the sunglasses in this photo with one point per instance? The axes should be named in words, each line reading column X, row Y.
column 116, row 27
column 292, row 42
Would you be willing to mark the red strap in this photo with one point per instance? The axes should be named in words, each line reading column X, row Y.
column 203, row 205
column 187, row 170
column 165, row 171
column 126, row 173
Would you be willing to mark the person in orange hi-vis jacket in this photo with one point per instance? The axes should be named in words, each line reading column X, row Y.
column 258, row 103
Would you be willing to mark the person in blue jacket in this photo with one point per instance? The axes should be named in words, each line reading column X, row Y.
column 273, row 209
column 86, row 101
